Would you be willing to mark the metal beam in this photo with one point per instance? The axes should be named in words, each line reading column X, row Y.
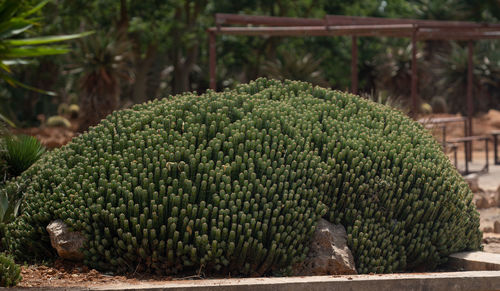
column 385, row 30
column 358, row 30
column 228, row 19
column 361, row 20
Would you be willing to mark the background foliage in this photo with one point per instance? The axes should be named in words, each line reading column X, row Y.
column 148, row 49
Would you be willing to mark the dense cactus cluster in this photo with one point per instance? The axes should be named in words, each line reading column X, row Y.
column 235, row 182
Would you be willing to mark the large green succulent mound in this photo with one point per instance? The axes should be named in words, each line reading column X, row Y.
column 235, row 182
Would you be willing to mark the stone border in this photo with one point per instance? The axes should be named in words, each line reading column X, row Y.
column 475, row 280
column 474, row 261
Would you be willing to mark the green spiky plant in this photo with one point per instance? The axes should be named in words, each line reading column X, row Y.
column 10, row 273
column 234, row 182
column 293, row 65
column 21, row 152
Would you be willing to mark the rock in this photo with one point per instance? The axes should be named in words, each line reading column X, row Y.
column 492, row 202
column 486, row 199
column 493, row 117
column 328, row 252
column 496, row 227
column 473, row 181
column 488, row 229
column 67, row 243
column 492, row 198
column 480, row 201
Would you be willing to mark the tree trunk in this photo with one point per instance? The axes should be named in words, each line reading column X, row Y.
column 143, row 66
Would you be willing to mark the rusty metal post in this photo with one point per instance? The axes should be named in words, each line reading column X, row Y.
column 414, row 78
column 354, row 65
column 470, row 103
column 212, row 59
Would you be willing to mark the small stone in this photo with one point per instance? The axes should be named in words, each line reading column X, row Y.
column 328, row 252
column 488, row 229
column 473, row 181
column 481, row 201
column 492, row 198
column 496, row 227
column 67, row 243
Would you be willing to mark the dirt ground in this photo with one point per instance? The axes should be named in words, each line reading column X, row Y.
column 69, row 274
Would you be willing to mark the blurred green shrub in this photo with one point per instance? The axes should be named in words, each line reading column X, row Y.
column 10, row 272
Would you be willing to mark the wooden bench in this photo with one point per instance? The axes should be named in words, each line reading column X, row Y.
column 495, row 135
column 470, row 139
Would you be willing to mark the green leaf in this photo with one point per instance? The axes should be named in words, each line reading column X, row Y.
column 6, row 120
column 4, row 66
column 4, row 204
column 9, row 8
column 14, row 82
column 35, row 9
column 13, row 28
column 46, row 39
column 13, row 63
column 25, row 52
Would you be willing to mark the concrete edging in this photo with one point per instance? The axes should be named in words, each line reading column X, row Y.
column 475, row 280
column 474, row 261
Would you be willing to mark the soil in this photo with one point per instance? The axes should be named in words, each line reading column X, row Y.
column 51, row 137
column 68, row 274
column 491, row 242
column 489, row 216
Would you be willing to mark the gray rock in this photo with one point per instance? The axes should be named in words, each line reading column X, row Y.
column 328, row 252
column 67, row 243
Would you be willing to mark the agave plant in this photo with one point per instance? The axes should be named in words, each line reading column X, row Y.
column 393, row 70
column 14, row 21
column 293, row 65
column 21, row 152
column 18, row 154
column 453, row 67
column 383, row 97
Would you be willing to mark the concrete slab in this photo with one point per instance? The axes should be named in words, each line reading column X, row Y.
column 477, row 280
column 474, row 261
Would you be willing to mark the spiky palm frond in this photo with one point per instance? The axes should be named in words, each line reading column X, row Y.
column 14, row 21
column 292, row 65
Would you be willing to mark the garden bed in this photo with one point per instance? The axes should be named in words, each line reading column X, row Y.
column 66, row 275
column 480, row 272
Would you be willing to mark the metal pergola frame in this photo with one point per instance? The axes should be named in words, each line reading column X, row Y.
column 355, row 26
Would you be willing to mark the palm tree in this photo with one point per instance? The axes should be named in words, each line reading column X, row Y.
column 295, row 66
column 105, row 63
